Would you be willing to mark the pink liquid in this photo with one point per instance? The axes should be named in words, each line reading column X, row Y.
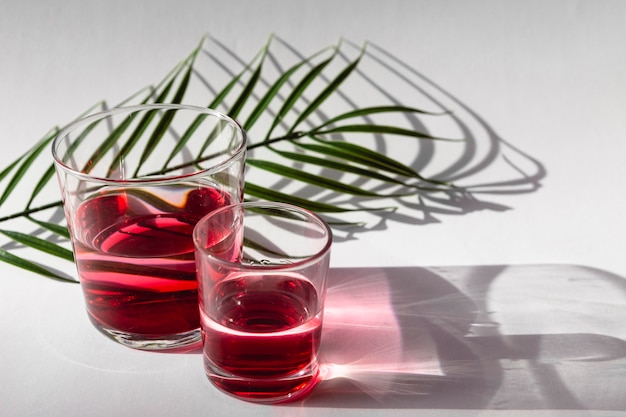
column 262, row 336
column 135, row 258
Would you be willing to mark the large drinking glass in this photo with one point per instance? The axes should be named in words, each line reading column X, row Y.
column 134, row 181
column 262, row 271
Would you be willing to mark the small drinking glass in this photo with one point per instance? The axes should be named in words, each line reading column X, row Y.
column 134, row 182
column 262, row 272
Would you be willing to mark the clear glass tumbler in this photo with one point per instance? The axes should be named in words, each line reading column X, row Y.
column 134, row 182
column 262, row 272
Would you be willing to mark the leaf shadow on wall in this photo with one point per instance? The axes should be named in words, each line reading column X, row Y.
column 486, row 165
column 476, row 337
column 483, row 164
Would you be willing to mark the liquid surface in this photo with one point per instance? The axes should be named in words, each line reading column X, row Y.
column 135, row 258
column 262, row 336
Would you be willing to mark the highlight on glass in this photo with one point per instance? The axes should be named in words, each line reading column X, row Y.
column 262, row 271
column 134, row 181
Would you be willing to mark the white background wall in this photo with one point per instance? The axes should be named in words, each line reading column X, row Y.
column 548, row 76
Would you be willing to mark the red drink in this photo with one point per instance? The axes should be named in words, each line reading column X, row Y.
column 262, row 335
column 135, row 258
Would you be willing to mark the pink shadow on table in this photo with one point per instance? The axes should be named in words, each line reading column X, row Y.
column 475, row 337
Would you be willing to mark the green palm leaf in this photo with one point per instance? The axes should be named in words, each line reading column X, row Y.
column 52, row 227
column 9, row 168
column 31, row 266
column 322, row 182
column 113, row 139
column 287, row 101
column 273, row 195
column 298, row 90
column 249, row 87
column 40, row 244
column 364, row 156
column 215, row 103
column 117, row 133
column 27, row 163
column 327, row 91
column 378, row 129
column 273, row 91
column 343, row 167
column 376, row 110
column 43, row 181
column 166, row 120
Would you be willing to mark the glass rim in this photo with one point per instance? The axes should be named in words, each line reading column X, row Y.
column 260, row 267
column 144, row 180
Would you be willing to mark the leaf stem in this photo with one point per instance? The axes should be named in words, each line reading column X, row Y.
column 291, row 136
column 32, row 210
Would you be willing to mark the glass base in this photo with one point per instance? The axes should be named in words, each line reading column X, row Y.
column 179, row 341
column 269, row 390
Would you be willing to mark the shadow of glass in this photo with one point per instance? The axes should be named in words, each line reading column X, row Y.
column 479, row 337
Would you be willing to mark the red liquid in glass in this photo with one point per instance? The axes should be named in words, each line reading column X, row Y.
column 135, row 258
column 262, row 336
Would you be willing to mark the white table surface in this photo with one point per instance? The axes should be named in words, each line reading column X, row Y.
column 511, row 303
